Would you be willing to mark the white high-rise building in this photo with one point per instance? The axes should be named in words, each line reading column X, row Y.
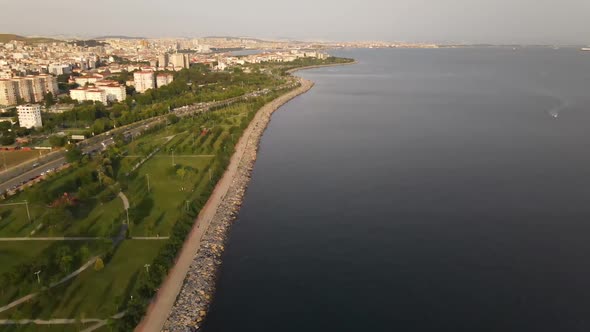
column 8, row 92
column 25, row 88
column 89, row 79
column 179, row 61
column 90, row 93
column 114, row 90
column 97, row 95
column 164, row 79
column 38, row 87
column 78, row 94
column 163, row 61
column 59, row 69
column 144, row 80
column 50, row 84
column 29, row 116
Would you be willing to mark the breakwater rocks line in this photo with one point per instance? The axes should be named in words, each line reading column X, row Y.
column 196, row 294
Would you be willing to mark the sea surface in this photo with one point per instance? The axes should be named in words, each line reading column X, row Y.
column 420, row 190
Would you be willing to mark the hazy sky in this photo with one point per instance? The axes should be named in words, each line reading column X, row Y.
column 495, row 21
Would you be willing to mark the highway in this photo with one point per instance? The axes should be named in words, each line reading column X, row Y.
column 59, row 160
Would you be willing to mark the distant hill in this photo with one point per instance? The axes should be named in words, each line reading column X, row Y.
column 7, row 37
column 117, row 37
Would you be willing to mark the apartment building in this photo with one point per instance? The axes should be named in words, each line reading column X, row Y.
column 91, row 79
column 50, row 84
column 163, row 61
column 144, row 80
column 29, row 116
column 114, row 91
column 179, row 61
column 89, row 93
column 8, row 92
column 164, row 79
column 25, row 88
column 38, row 84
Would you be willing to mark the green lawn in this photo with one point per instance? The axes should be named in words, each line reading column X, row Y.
column 14, row 221
column 14, row 253
column 33, row 254
column 155, row 212
column 98, row 219
column 94, row 294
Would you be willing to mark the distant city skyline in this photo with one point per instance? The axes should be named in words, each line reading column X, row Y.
column 439, row 21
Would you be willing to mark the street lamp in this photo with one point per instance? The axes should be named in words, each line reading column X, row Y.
column 28, row 213
column 37, row 274
column 147, row 268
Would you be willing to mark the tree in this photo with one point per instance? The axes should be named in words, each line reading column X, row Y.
column 63, row 258
column 65, row 263
column 7, row 139
column 56, row 216
column 181, row 172
column 73, row 153
column 98, row 264
column 22, row 131
column 57, row 141
column 5, row 125
column 49, row 100
column 84, row 253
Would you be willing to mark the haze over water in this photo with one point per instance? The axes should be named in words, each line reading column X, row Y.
column 420, row 190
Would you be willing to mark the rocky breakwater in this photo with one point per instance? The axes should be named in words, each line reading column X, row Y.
column 196, row 294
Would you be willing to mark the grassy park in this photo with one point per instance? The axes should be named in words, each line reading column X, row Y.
column 166, row 174
column 14, row 253
column 168, row 187
column 95, row 293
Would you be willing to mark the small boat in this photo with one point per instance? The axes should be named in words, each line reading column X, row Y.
column 585, row 49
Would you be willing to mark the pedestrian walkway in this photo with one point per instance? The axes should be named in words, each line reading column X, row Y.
column 63, row 321
column 53, row 238
column 66, row 278
column 150, row 238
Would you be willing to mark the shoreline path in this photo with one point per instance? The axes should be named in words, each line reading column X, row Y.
column 234, row 178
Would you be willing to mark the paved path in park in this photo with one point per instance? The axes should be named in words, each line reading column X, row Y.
column 150, row 238
column 125, row 200
column 66, row 278
column 63, row 321
column 178, row 155
column 55, row 238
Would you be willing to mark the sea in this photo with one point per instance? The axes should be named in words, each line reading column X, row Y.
column 419, row 190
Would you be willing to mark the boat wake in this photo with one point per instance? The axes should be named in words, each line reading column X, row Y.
column 555, row 111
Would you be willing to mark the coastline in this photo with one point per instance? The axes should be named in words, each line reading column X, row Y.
column 294, row 70
column 185, row 295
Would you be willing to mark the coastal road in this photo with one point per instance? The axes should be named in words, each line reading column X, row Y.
column 17, row 180
column 159, row 309
column 28, row 175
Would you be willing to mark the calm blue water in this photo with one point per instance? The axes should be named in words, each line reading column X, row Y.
column 420, row 190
